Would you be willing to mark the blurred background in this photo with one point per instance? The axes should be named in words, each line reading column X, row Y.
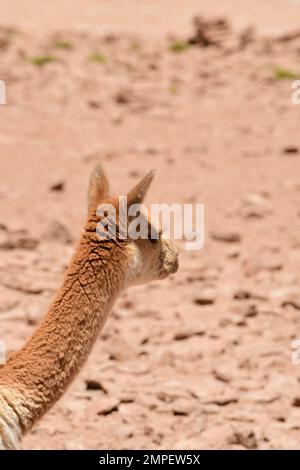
column 201, row 91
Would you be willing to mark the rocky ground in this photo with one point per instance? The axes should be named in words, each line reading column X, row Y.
column 202, row 359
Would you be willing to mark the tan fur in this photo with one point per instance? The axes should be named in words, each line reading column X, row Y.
column 36, row 377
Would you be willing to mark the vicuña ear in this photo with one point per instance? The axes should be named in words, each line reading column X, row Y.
column 98, row 187
column 138, row 193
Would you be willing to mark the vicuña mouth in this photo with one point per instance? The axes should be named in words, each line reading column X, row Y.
column 169, row 268
column 174, row 267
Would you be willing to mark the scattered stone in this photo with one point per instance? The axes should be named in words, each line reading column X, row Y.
column 107, row 406
column 233, row 254
column 243, row 294
column 127, row 396
column 92, row 384
column 210, row 32
column 272, row 265
column 226, row 237
column 120, row 349
column 252, row 267
column 290, row 150
column 296, row 402
column 262, row 397
column 290, row 303
column 58, row 186
column 246, row 438
column 188, row 333
column 217, row 32
column 221, row 376
column 207, row 297
column 223, row 401
column 183, row 408
column 280, row 418
column 251, row 311
column 172, row 390
column 239, row 321
column 124, row 96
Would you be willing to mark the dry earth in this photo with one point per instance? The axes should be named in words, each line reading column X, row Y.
column 203, row 359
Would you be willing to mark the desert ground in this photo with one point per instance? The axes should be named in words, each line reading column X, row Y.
column 203, row 358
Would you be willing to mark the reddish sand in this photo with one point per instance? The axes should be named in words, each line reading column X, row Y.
column 218, row 124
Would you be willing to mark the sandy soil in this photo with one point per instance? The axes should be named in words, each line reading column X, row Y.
column 203, row 359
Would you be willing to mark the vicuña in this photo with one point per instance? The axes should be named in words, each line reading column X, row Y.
column 34, row 378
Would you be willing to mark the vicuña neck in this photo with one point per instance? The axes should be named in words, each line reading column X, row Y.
column 38, row 374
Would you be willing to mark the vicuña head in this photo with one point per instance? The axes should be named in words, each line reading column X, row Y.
column 34, row 378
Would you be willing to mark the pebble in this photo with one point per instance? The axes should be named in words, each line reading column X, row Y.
column 246, row 438
column 226, row 237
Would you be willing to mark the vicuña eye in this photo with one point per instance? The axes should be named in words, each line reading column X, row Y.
column 154, row 237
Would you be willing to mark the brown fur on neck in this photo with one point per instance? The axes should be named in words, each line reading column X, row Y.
column 43, row 368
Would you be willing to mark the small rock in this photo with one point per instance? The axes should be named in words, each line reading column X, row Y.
column 183, row 408
column 207, row 297
column 222, row 376
column 123, row 96
column 226, row 237
column 233, row 254
column 188, row 333
column 210, row 32
column 92, row 384
column 290, row 303
column 224, row 400
column 262, row 396
column 58, row 186
column 120, row 349
column 107, row 406
column 239, row 321
column 290, row 150
column 245, row 438
column 243, row 294
column 251, row 311
column 296, row 402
